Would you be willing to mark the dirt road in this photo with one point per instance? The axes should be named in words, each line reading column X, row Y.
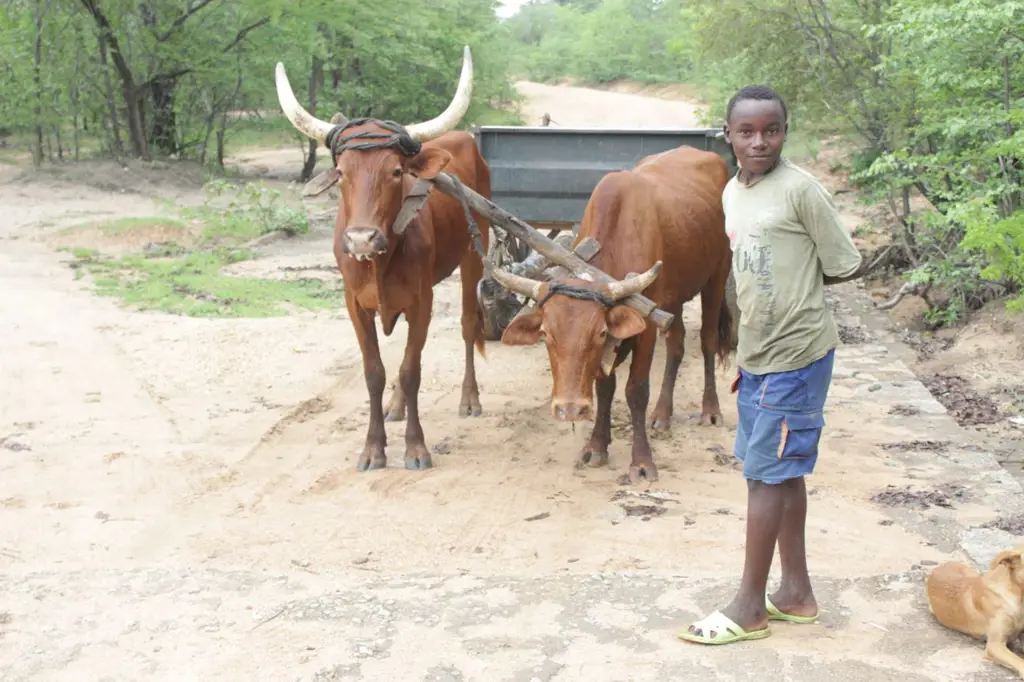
column 572, row 107
column 179, row 498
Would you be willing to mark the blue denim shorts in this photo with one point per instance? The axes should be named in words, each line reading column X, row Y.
column 780, row 421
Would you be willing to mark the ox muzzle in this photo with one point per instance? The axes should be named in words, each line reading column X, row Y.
column 363, row 243
column 572, row 410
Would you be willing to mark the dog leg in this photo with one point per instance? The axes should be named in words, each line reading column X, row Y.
column 997, row 651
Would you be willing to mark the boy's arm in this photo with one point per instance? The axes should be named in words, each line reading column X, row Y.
column 840, row 259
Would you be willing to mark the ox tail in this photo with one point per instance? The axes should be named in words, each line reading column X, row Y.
column 480, row 340
column 724, row 332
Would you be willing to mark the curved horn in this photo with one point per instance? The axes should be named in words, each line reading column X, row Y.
column 520, row 285
column 450, row 117
column 634, row 285
column 304, row 122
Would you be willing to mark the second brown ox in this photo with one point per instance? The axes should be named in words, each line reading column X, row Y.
column 390, row 268
column 667, row 210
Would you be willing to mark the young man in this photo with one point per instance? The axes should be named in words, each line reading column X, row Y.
column 788, row 242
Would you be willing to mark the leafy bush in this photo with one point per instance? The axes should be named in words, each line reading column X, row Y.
column 252, row 210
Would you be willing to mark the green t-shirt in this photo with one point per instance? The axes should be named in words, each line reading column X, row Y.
column 785, row 234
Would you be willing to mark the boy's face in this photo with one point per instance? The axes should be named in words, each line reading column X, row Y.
column 756, row 130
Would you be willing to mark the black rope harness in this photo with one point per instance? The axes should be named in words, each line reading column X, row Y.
column 398, row 139
column 577, row 292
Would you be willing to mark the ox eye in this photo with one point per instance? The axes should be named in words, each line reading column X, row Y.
column 397, row 173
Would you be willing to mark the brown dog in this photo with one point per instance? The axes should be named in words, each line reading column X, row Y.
column 987, row 606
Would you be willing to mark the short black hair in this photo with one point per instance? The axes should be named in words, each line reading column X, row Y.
column 759, row 92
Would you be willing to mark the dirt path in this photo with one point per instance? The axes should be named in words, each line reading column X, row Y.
column 572, row 107
column 179, row 499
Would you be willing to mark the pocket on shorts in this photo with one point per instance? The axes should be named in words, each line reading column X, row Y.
column 800, row 435
column 783, row 392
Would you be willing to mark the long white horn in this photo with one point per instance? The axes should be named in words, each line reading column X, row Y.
column 304, row 122
column 450, row 117
column 520, row 285
column 634, row 285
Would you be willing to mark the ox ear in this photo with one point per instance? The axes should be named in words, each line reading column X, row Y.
column 429, row 162
column 523, row 330
column 624, row 322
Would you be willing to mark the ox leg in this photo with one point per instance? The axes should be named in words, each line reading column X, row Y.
column 471, row 269
column 596, row 451
column 638, row 395
column 395, row 411
column 710, row 310
column 373, row 455
column 416, row 454
column 661, row 419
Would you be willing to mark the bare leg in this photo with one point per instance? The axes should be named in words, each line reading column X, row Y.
column 373, row 455
column 661, row 419
column 638, row 395
column 416, row 454
column 596, row 452
column 795, row 595
column 765, row 506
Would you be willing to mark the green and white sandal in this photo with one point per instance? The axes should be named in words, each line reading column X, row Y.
column 775, row 614
column 718, row 628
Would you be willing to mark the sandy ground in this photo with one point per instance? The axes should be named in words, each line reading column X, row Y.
column 574, row 107
column 179, row 498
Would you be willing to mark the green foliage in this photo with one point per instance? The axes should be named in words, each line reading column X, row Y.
column 600, row 41
column 934, row 92
column 250, row 210
column 1002, row 243
column 169, row 78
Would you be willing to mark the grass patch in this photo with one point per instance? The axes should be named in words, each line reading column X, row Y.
column 8, row 160
column 119, row 226
column 174, row 279
column 194, row 284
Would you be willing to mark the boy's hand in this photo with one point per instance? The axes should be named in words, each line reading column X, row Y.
column 735, row 385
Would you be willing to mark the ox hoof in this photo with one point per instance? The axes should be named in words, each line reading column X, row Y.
column 394, row 413
column 644, row 471
column 373, row 457
column 417, row 458
column 592, row 457
column 470, row 409
column 711, row 418
column 662, row 423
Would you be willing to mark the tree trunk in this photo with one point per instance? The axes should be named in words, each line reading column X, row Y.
column 37, row 153
column 316, row 77
column 115, row 125
column 129, row 90
column 164, row 133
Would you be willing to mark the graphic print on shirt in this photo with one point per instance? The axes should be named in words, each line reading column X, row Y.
column 753, row 260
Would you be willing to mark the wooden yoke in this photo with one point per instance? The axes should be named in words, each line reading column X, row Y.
column 550, row 249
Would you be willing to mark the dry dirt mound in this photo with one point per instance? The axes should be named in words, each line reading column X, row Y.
column 126, row 235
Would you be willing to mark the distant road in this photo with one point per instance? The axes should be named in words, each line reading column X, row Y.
column 572, row 107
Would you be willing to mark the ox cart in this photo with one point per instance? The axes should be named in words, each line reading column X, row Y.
column 545, row 177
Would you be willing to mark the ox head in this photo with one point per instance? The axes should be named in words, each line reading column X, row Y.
column 374, row 180
column 579, row 322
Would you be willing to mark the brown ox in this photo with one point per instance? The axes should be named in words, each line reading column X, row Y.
column 393, row 271
column 667, row 209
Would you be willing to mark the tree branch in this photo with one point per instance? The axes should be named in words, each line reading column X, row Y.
column 185, row 70
column 180, row 21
